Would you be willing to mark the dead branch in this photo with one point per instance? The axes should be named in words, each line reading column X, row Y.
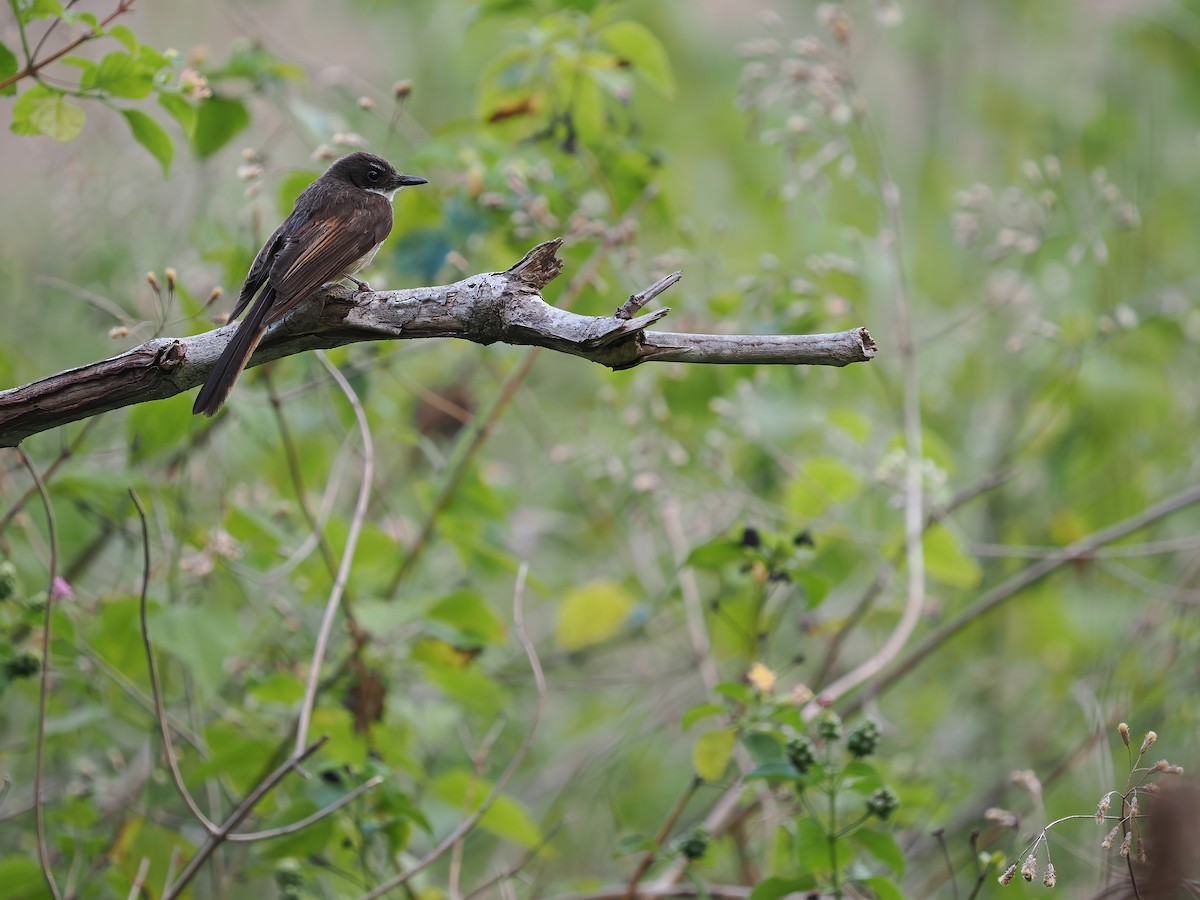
column 486, row 308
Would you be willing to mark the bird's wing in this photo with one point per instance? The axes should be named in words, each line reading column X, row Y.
column 323, row 249
column 259, row 270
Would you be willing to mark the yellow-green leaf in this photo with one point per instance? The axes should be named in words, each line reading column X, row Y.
column 946, row 562
column 821, row 482
column 591, row 614
column 41, row 110
column 123, row 76
column 712, row 753
column 636, row 46
column 505, row 819
column 469, row 613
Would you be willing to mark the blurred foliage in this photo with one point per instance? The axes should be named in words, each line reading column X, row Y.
column 709, row 547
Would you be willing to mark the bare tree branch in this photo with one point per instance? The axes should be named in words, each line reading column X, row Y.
column 486, row 308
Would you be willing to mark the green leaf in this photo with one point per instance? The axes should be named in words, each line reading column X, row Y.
column 71, row 17
column 852, row 422
column 86, row 67
column 883, row 847
column 821, row 482
column 812, row 847
column 218, row 119
column 8, row 68
column 152, row 136
column 735, row 691
column 703, row 711
column 882, row 888
column 763, row 746
column 776, row 888
column 201, row 637
column 773, row 771
column 591, row 614
column 506, row 818
column 123, row 76
column 861, row 777
column 152, row 59
column 152, row 428
column 344, row 744
column 716, row 553
column 180, row 110
column 946, row 562
column 469, row 613
column 28, row 10
column 237, row 753
column 21, row 877
column 712, row 753
column 637, row 47
column 470, row 687
column 125, row 35
column 281, row 688
column 41, row 110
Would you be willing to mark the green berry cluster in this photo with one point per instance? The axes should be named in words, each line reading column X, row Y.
column 863, row 740
column 801, row 754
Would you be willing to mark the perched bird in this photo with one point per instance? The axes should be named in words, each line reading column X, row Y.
column 336, row 226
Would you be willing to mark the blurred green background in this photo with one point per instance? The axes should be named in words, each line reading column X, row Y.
column 1044, row 157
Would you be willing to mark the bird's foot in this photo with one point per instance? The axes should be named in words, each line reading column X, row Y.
column 363, row 287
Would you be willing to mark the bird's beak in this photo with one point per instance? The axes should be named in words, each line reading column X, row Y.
column 411, row 181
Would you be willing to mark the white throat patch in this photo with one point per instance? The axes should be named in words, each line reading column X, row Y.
column 391, row 195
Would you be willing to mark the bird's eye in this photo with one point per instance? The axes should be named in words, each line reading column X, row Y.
column 373, row 174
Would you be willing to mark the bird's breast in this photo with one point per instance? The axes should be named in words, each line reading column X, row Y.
column 363, row 261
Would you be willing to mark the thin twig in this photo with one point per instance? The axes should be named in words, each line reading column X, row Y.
column 940, row 836
column 887, row 570
column 516, row 867
column 63, row 455
column 172, row 865
column 479, row 761
column 914, row 481
column 135, row 889
column 693, row 606
column 300, row 824
column 160, row 712
column 539, row 680
column 39, row 813
column 32, row 67
column 647, row 860
column 343, row 574
column 235, row 818
column 293, row 464
column 630, row 307
column 147, row 703
column 689, row 590
column 1012, row 586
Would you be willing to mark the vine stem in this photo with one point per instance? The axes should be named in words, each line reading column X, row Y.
column 39, row 812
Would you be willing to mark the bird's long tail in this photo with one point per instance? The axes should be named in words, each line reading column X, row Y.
column 234, row 357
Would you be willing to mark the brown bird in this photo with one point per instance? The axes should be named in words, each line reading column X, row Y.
column 334, row 230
